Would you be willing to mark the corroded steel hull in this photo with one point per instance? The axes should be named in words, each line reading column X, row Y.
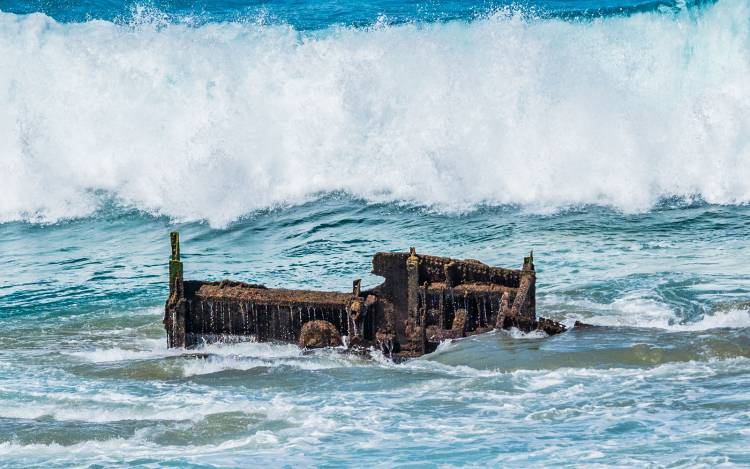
column 424, row 300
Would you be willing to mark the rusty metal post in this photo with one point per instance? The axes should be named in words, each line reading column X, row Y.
column 412, row 283
column 528, row 262
column 415, row 328
column 451, row 279
column 356, row 312
column 525, row 302
column 175, row 267
column 176, row 307
column 530, row 273
column 504, row 311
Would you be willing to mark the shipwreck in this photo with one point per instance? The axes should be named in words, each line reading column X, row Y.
column 423, row 301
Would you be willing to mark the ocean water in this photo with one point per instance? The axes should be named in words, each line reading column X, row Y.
column 289, row 141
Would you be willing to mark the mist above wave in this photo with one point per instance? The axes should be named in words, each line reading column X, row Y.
column 216, row 121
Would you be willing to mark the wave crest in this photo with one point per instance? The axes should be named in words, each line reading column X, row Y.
column 215, row 121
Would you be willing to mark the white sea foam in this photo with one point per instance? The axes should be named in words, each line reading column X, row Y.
column 97, row 405
column 149, row 348
column 215, row 121
column 637, row 309
column 250, row 355
column 592, row 400
column 263, row 350
column 216, row 364
column 220, row 357
column 519, row 334
column 733, row 318
column 131, row 448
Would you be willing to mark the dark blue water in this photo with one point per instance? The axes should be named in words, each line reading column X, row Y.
column 289, row 141
column 303, row 15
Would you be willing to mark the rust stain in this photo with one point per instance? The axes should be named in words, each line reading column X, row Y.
column 423, row 300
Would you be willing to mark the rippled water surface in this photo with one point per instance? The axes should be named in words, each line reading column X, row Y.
column 289, row 141
column 86, row 378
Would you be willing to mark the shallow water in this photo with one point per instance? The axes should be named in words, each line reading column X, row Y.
column 288, row 142
column 85, row 376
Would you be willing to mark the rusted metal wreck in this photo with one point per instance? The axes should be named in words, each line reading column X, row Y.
column 423, row 301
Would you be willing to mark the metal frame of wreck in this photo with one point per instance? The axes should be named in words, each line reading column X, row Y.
column 423, row 301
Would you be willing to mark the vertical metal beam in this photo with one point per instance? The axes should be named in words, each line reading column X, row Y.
column 175, row 267
column 525, row 302
column 176, row 307
column 415, row 328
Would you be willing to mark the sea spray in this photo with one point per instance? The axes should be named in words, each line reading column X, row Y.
column 218, row 120
column 211, row 120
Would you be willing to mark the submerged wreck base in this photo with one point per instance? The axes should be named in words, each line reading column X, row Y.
column 423, row 301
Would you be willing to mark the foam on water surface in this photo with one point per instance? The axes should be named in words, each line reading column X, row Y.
column 222, row 119
column 634, row 310
column 298, row 152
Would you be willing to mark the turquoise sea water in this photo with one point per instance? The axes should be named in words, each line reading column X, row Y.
column 289, row 141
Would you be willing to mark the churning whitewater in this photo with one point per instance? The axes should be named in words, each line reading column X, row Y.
column 217, row 120
column 289, row 142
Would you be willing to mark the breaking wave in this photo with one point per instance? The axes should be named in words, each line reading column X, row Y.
column 635, row 310
column 218, row 120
